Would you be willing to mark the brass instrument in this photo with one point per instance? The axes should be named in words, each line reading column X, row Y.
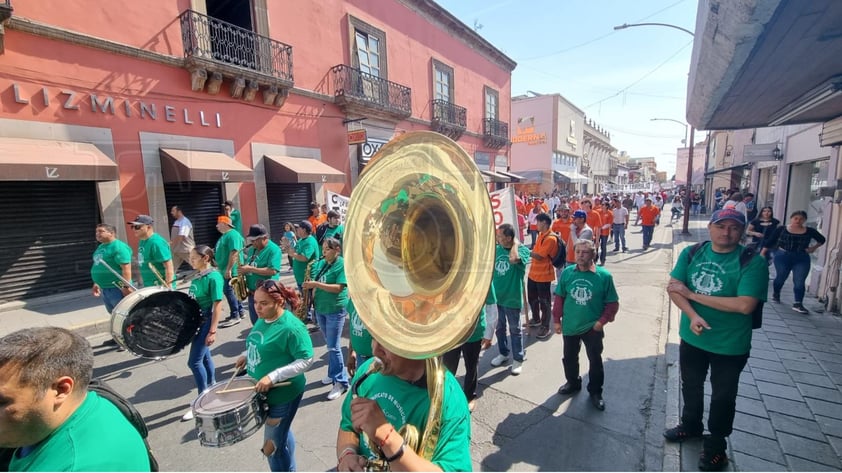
column 419, row 256
column 306, row 294
column 238, row 282
column 158, row 276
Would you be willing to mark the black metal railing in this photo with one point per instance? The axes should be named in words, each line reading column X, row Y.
column 209, row 38
column 496, row 128
column 376, row 91
column 448, row 113
column 5, row 9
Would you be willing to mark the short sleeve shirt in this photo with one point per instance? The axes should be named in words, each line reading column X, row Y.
column 114, row 254
column 183, row 228
column 334, row 273
column 585, row 294
column 546, row 246
column 358, row 332
column 508, row 277
column 268, row 257
column 230, row 241
column 308, row 248
column 270, row 346
column 153, row 250
column 648, row 215
column 207, row 289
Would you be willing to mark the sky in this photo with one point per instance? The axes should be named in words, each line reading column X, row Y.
column 621, row 79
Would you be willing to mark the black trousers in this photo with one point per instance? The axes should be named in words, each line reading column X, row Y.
column 538, row 295
column 470, row 351
column 724, row 380
column 593, row 347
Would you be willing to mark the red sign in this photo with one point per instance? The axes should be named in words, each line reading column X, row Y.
column 356, row 137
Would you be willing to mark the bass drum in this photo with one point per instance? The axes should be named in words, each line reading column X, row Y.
column 155, row 322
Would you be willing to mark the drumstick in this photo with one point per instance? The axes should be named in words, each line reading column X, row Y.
column 251, row 388
column 232, row 378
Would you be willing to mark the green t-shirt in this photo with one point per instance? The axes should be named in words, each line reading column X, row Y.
column 585, row 294
column 405, row 403
column 268, row 257
column 153, row 250
column 720, row 274
column 508, row 277
column 96, row 437
column 270, row 346
column 236, row 221
column 114, row 254
column 228, row 242
column 327, row 302
column 360, row 336
column 309, row 248
column 207, row 289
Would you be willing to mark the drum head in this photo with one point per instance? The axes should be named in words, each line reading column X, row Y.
column 212, row 402
column 161, row 324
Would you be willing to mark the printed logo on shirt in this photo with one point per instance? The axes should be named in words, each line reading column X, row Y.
column 502, row 266
column 357, row 326
column 705, row 278
column 400, row 418
column 252, row 354
column 581, row 293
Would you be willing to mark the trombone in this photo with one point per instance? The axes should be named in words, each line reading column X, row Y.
column 123, row 282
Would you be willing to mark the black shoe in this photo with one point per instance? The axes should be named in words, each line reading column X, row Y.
column 543, row 333
column 534, row 323
column 597, row 401
column 625, row 250
column 570, row 388
column 713, row 460
column 680, row 434
column 800, row 308
column 776, row 298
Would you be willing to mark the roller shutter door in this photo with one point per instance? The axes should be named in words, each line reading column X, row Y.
column 47, row 241
column 201, row 202
column 287, row 203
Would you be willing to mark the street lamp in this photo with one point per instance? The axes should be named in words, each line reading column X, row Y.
column 685, row 230
column 674, row 121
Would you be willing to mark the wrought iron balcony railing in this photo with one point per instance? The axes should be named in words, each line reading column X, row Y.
column 448, row 118
column 361, row 88
column 495, row 133
column 209, row 38
column 5, row 10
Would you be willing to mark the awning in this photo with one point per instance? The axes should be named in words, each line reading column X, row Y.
column 180, row 165
column 730, row 168
column 514, row 177
column 492, row 176
column 570, row 176
column 286, row 169
column 23, row 159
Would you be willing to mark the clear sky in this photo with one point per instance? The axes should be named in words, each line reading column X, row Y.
column 621, row 79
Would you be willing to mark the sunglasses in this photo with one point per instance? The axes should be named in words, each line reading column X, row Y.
column 270, row 285
column 137, row 227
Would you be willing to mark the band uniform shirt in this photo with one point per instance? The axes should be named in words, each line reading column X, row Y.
column 508, row 277
column 182, row 227
column 330, row 273
column 479, row 328
column 115, row 254
column 228, row 242
column 720, row 275
column 308, row 248
column 207, row 289
column 155, row 250
column 648, row 215
column 271, row 345
column 358, row 332
column 268, row 257
column 546, row 246
column 585, row 294
column 96, row 437
column 236, row 221
column 406, row 403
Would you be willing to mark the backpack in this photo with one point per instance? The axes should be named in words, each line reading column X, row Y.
column 745, row 258
column 560, row 258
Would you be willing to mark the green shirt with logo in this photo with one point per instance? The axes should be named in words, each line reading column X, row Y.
column 96, row 437
column 330, row 273
column 207, row 289
column 585, row 294
column 720, row 275
column 268, row 257
column 508, row 277
column 228, row 242
column 153, row 250
column 360, row 336
column 272, row 345
column 115, row 254
column 309, row 249
column 406, row 403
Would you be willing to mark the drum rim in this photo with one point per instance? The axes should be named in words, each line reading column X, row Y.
column 248, row 399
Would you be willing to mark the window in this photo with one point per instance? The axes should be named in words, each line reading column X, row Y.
column 368, row 51
column 442, row 82
column 491, row 101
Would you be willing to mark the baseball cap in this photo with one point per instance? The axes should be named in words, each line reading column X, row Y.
column 580, row 214
column 142, row 220
column 306, row 225
column 256, row 231
column 224, row 219
column 728, row 214
column 563, row 207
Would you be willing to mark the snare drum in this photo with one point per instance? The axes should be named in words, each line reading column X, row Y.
column 155, row 322
column 225, row 419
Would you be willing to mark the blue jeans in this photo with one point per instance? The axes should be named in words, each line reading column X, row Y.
column 533, row 234
column 799, row 263
column 111, row 296
column 331, row 326
column 603, row 247
column 619, row 236
column 648, row 231
column 512, row 318
column 199, row 360
column 252, row 312
column 282, row 458
column 234, row 305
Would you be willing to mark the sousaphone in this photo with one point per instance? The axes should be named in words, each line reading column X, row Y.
column 419, row 253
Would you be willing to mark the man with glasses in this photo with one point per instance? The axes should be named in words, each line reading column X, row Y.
column 153, row 251
column 263, row 261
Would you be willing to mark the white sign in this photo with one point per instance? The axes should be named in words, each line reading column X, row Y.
column 633, row 187
column 371, row 147
column 503, row 207
column 339, row 203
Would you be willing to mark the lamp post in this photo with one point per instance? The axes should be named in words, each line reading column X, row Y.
column 674, row 121
column 685, row 229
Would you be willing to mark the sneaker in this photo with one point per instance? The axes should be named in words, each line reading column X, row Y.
column 230, row 321
column 187, row 416
column 338, row 390
column 327, row 380
column 680, row 434
column 713, row 460
column 517, row 367
column 472, row 404
column 800, row 308
column 499, row 360
column 543, row 333
column 776, row 298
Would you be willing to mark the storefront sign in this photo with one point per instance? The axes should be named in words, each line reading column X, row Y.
column 528, row 135
column 356, row 137
column 371, row 147
column 108, row 105
column 339, row 203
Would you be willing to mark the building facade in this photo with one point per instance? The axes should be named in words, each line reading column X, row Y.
column 598, row 153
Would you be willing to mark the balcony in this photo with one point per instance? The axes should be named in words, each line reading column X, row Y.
column 612, row 172
column 215, row 50
column 449, row 119
column 361, row 93
column 495, row 133
column 5, row 13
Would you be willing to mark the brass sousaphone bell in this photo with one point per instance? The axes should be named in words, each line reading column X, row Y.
column 419, row 253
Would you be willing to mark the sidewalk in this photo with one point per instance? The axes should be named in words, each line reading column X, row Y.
column 789, row 407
